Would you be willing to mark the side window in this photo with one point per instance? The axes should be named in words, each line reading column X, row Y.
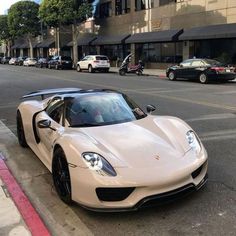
column 196, row 63
column 55, row 109
column 186, row 63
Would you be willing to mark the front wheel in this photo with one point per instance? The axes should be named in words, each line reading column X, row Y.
column 172, row 76
column 203, row 78
column 61, row 176
column 78, row 68
column 20, row 130
column 121, row 72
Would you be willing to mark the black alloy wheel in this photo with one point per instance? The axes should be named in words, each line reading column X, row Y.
column 20, row 130
column 61, row 176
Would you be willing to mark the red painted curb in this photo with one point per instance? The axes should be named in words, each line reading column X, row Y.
column 27, row 211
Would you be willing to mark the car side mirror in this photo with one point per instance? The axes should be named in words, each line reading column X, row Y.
column 45, row 124
column 150, row 109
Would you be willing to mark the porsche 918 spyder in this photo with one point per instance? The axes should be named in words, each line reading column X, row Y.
column 106, row 153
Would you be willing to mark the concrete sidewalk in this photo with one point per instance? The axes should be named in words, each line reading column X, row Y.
column 11, row 221
column 18, row 217
column 154, row 72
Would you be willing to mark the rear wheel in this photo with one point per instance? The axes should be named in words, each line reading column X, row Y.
column 203, row 78
column 78, row 68
column 90, row 69
column 122, row 72
column 172, row 76
column 61, row 176
column 20, row 130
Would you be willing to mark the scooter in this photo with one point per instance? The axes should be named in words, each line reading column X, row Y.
column 126, row 68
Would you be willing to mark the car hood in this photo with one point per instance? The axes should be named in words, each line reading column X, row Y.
column 140, row 143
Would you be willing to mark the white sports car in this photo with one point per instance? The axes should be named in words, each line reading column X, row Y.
column 106, row 153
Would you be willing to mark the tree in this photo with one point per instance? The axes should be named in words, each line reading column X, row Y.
column 5, row 36
column 23, row 20
column 70, row 12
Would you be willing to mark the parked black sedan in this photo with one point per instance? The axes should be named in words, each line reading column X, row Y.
column 203, row 70
column 60, row 62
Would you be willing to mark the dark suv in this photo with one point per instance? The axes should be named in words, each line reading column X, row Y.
column 60, row 62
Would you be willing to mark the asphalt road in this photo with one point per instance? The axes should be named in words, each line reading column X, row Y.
column 209, row 109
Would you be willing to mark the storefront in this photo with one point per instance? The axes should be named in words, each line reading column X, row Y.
column 113, row 46
column 214, row 41
column 157, row 48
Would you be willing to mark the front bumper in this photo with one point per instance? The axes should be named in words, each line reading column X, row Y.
column 158, row 199
column 145, row 186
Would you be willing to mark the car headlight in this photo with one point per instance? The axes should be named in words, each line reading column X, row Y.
column 193, row 141
column 98, row 163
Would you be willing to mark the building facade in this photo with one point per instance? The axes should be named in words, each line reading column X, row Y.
column 167, row 31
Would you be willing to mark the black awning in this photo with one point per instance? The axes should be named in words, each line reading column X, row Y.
column 83, row 40
column 112, row 39
column 210, row 32
column 47, row 43
column 157, row 36
column 16, row 46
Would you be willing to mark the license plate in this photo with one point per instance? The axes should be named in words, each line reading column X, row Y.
column 227, row 70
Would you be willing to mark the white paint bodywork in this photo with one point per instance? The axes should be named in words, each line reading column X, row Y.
column 151, row 154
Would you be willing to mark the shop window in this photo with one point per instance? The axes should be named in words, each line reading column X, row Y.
column 166, row 2
column 143, row 4
column 113, row 52
column 105, row 10
column 159, row 52
column 122, row 7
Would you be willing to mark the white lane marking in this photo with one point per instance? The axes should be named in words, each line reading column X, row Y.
column 9, row 105
column 213, row 117
column 74, row 220
column 225, row 93
column 218, row 135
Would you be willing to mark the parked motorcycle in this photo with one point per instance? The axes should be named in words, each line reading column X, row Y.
column 127, row 68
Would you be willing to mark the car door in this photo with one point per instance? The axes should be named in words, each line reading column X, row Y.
column 55, row 114
column 184, row 69
column 83, row 63
column 196, row 67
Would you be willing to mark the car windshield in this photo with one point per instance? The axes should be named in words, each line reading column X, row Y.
column 98, row 109
column 213, row 62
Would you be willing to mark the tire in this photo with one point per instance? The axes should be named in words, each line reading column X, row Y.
column 203, row 78
column 172, row 76
column 61, row 176
column 90, row 69
column 78, row 68
column 20, row 130
column 139, row 72
column 121, row 72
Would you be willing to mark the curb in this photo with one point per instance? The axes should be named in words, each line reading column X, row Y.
column 32, row 219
